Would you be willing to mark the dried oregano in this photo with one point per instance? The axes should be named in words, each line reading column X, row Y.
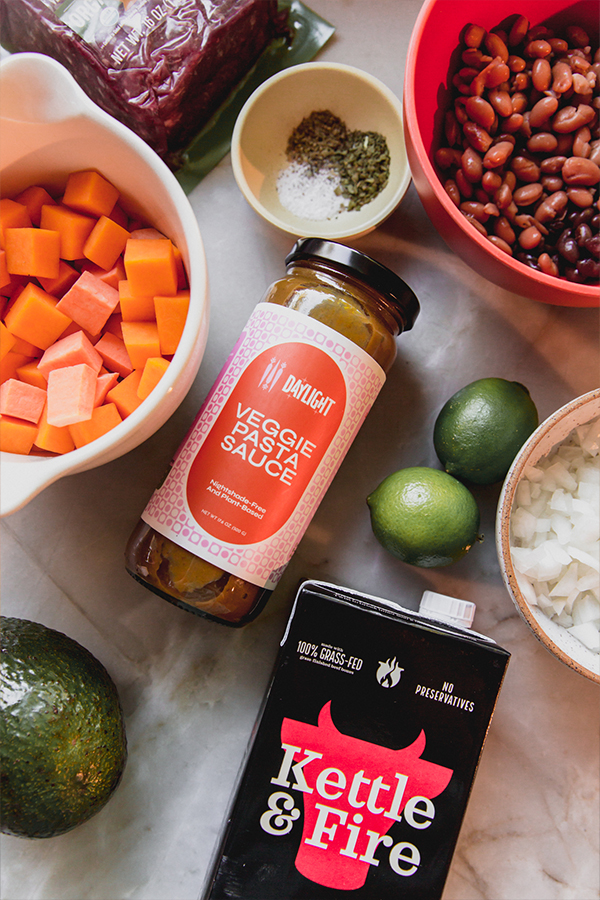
column 361, row 159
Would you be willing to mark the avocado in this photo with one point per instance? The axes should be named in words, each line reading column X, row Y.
column 63, row 746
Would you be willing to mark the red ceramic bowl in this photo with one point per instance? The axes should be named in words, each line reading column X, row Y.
column 431, row 54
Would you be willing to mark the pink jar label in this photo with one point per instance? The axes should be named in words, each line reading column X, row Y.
column 266, row 444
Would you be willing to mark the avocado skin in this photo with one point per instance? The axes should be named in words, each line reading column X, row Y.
column 63, row 746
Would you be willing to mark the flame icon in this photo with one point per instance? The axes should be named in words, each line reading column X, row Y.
column 389, row 673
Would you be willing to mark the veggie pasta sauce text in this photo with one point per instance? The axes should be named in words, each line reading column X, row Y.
column 363, row 761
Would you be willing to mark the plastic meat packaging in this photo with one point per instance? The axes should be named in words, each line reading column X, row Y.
column 359, row 773
column 162, row 67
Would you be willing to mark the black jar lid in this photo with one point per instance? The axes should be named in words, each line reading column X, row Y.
column 378, row 276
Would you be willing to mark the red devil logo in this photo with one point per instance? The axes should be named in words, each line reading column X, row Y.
column 353, row 792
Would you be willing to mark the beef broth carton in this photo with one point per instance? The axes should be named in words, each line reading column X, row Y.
column 361, row 766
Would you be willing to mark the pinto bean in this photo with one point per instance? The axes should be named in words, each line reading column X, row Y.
column 472, row 165
column 500, row 244
column 581, row 142
column 480, row 111
column 530, row 237
column 570, row 118
column 542, row 142
column 501, row 102
column 528, row 194
column 477, row 136
column 562, row 77
column 518, row 31
column 551, row 207
column 474, row 35
column 498, row 154
column 525, row 169
column 541, row 74
column 542, row 111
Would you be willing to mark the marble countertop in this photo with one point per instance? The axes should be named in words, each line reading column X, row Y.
column 191, row 689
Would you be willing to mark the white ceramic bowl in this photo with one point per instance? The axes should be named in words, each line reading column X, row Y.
column 49, row 128
column 555, row 429
column 262, row 129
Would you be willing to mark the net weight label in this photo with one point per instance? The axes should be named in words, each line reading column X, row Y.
column 329, row 655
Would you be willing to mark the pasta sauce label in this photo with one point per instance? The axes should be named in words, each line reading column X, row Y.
column 266, row 444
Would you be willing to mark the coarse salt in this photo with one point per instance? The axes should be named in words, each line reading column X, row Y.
column 308, row 194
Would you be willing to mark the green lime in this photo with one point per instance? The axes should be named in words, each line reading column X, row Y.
column 424, row 516
column 482, row 427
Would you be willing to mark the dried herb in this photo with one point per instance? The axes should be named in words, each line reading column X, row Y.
column 361, row 159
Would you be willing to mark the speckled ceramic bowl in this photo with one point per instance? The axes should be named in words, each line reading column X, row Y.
column 50, row 128
column 260, row 136
column 555, row 429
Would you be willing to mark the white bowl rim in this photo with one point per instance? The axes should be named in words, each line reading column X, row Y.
column 362, row 223
column 540, row 625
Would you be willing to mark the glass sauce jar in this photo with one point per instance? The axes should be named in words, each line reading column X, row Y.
column 218, row 532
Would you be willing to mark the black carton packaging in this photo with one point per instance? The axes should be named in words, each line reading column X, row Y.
column 356, row 781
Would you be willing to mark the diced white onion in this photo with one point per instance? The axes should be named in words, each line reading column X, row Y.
column 555, row 534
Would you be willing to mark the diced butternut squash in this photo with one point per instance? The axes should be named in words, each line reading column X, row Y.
column 71, row 393
column 53, row 439
column 70, row 351
column 171, row 313
column 10, row 364
column 125, row 394
column 66, row 278
column 4, row 273
column 114, row 354
column 90, row 193
column 7, row 340
column 26, row 347
column 73, row 228
column 113, row 326
column 106, row 242
column 16, row 435
column 89, row 302
column 22, row 401
column 30, row 374
column 32, row 251
column 34, row 198
column 134, row 307
column 104, row 383
column 142, row 342
column 34, row 317
column 111, row 276
column 12, row 215
column 150, row 266
column 103, row 419
column 152, row 372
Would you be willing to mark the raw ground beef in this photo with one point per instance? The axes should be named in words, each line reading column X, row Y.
column 162, row 67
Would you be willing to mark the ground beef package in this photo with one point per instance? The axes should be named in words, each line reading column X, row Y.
column 162, row 67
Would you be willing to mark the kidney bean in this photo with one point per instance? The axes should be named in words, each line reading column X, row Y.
column 530, row 237
column 567, row 246
column 496, row 46
column 589, row 269
column 451, row 188
column 551, row 183
column 547, row 264
column 581, row 197
column 570, row 118
column 477, row 225
column 480, row 111
column 516, row 63
column 518, row 31
column 542, row 142
column 528, row 194
column 583, row 216
column 498, row 154
column 552, row 164
column 500, row 243
column 538, row 48
column 474, row 35
column 542, row 111
column 592, row 245
column 477, row 136
column 503, row 197
column 541, row 74
column 577, row 35
column 472, row 165
column 465, row 187
column 503, row 229
column 581, row 233
column 525, row 169
column 580, row 171
column 501, row 102
column 562, row 77
column 551, row 207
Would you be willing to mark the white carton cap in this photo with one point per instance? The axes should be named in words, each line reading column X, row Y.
column 447, row 609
